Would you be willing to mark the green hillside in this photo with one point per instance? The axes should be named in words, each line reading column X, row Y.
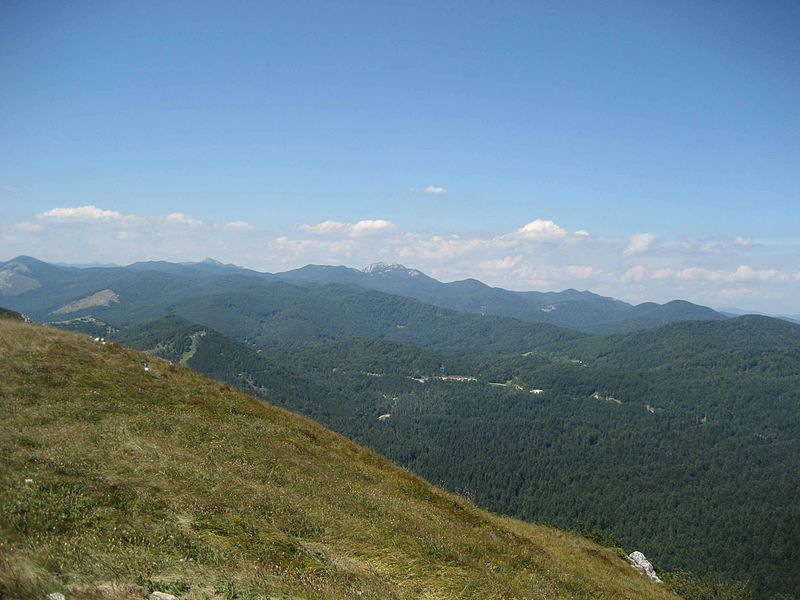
column 120, row 469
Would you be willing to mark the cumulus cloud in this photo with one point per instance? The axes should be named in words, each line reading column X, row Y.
column 238, row 226
column 542, row 229
column 430, row 189
column 371, row 226
column 182, row 219
column 365, row 227
column 88, row 213
column 639, row 242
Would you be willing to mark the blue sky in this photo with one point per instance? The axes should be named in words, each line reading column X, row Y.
column 673, row 120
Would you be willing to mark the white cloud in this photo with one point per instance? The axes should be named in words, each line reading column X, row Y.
column 238, row 226
column 182, row 219
column 541, row 229
column 641, row 273
column 661, row 274
column 88, row 213
column 547, row 274
column 745, row 273
column 430, row 189
column 365, row 227
column 637, row 273
column 698, row 273
column 326, row 227
column 580, row 272
column 371, row 226
column 639, row 242
column 438, row 247
column 582, row 233
column 737, row 243
column 29, row 226
column 500, row 264
column 742, row 273
column 314, row 250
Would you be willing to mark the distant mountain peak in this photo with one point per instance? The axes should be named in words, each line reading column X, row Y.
column 382, row 268
column 379, row 267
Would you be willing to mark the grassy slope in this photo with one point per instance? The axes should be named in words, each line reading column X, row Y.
column 111, row 473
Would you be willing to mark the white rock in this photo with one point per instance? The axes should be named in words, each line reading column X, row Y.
column 640, row 562
column 162, row 596
column 56, row 596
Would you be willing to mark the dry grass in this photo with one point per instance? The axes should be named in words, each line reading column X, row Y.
column 111, row 474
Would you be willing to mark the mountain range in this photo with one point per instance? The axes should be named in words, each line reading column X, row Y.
column 48, row 288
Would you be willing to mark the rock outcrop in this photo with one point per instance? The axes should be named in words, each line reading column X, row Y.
column 162, row 596
column 640, row 562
